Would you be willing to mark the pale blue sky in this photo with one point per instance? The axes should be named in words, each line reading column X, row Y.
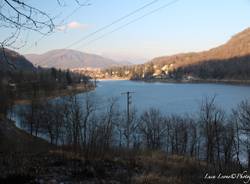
column 187, row 25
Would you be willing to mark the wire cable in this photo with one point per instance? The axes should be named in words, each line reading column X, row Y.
column 112, row 23
column 61, row 22
column 130, row 22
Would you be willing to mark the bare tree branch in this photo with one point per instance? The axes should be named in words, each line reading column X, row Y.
column 17, row 16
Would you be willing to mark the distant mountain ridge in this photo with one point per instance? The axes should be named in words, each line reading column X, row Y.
column 237, row 46
column 70, row 59
column 11, row 60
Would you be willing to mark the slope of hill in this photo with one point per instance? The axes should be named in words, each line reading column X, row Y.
column 12, row 60
column 13, row 139
column 228, row 62
column 237, row 46
column 69, row 59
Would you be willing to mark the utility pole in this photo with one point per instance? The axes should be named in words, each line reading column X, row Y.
column 129, row 102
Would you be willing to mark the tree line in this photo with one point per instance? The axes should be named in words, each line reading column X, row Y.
column 212, row 136
column 18, row 84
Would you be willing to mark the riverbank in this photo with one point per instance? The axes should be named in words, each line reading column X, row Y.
column 70, row 90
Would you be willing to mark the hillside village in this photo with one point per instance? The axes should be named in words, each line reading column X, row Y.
column 126, row 73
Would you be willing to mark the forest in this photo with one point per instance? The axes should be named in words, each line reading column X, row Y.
column 234, row 68
column 19, row 85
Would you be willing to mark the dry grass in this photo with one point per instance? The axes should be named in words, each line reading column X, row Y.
column 154, row 178
column 158, row 167
column 34, row 159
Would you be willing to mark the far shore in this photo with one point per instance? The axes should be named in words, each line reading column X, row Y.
column 113, row 79
column 198, row 81
column 81, row 89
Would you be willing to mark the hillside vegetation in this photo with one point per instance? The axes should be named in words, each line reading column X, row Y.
column 21, row 81
column 230, row 61
column 11, row 60
column 238, row 46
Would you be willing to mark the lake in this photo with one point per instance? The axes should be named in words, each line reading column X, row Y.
column 177, row 98
column 169, row 98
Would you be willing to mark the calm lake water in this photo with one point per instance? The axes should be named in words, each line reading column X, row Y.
column 169, row 98
column 177, row 98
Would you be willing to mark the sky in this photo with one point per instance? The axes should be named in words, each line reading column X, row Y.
column 183, row 26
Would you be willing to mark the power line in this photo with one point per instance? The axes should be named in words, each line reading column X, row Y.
column 116, row 21
column 86, row 3
column 112, row 23
column 132, row 21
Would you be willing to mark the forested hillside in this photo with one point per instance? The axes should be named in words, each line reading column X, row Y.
column 11, row 60
column 20, row 80
column 229, row 61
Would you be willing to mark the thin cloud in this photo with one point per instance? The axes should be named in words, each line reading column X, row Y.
column 76, row 25
column 72, row 26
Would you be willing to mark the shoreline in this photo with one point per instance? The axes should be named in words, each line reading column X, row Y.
column 210, row 81
column 113, row 79
column 82, row 88
column 58, row 93
column 198, row 81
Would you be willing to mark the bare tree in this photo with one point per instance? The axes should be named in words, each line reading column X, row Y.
column 108, row 123
column 127, row 129
column 244, row 118
column 228, row 136
column 152, row 128
column 53, row 119
column 73, row 121
column 211, row 119
column 31, row 116
column 178, row 135
column 193, row 137
column 18, row 15
column 88, row 109
column 234, row 120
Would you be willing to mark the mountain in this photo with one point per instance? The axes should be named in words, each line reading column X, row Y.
column 69, row 59
column 237, row 46
column 10, row 60
column 228, row 62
